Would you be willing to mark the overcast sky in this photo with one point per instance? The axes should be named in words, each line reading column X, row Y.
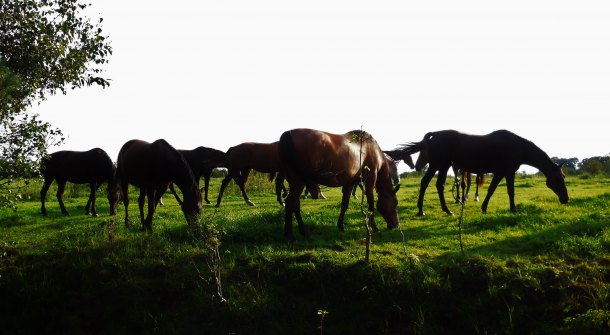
column 218, row 73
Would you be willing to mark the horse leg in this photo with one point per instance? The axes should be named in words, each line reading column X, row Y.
column 124, row 191
column 490, row 191
column 152, row 204
column 297, row 214
column 88, row 205
column 347, row 189
column 370, row 200
column 466, row 186
column 141, row 205
column 510, row 188
column 90, row 208
column 279, row 185
column 425, row 180
column 206, row 186
column 292, row 201
column 476, row 193
column 440, row 188
column 241, row 182
column 61, row 187
column 456, row 182
column 223, row 185
column 173, row 190
column 43, row 194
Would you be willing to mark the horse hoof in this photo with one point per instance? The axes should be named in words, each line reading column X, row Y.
column 250, row 203
column 420, row 213
column 66, row 214
column 450, row 213
column 208, row 202
column 94, row 215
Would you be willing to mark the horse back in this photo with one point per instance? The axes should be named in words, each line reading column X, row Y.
column 497, row 152
column 262, row 157
column 154, row 164
column 325, row 158
column 78, row 166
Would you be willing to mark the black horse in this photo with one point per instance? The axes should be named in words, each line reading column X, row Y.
column 152, row 167
column 500, row 153
column 202, row 161
column 80, row 167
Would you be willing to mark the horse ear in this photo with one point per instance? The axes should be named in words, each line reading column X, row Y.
column 396, row 188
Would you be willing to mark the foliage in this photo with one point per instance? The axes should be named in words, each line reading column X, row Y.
column 46, row 46
column 595, row 165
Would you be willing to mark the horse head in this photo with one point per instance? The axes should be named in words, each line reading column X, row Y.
column 422, row 160
column 191, row 205
column 387, row 202
column 114, row 196
column 555, row 180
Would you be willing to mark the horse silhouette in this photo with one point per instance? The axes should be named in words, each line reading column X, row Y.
column 93, row 167
column 500, row 153
column 152, row 167
column 241, row 159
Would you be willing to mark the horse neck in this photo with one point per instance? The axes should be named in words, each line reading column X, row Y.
column 183, row 177
column 384, row 183
column 537, row 158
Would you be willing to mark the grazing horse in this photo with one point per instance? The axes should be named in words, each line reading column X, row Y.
column 466, row 177
column 500, row 153
column 202, row 161
column 315, row 157
column 152, row 167
column 93, row 167
column 241, row 159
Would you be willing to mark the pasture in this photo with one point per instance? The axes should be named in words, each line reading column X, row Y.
column 543, row 270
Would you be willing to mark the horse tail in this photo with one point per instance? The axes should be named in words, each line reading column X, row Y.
column 414, row 147
column 286, row 148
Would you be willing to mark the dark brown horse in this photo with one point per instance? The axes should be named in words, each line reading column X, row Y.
column 500, row 153
column 202, row 161
column 315, row 157
column 92, row 167
column 152, row 167
column 463, row 179
column 241, row 159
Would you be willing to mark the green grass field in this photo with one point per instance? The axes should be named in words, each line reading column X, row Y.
column 544, row 270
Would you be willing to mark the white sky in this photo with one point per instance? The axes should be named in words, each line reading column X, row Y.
column 218, row 73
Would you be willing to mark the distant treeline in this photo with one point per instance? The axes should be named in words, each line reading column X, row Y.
column 592, row 165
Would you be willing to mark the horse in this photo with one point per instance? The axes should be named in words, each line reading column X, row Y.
column 80, row 167
column 311, row 157
column 463, row 184
column 393, row 174
column 241, row 159
column 202, row 161
column 152, row 167
column 500, row 153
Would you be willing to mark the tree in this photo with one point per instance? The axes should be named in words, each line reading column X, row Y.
column 46, row 47
column 569, row 164
column 595, row 165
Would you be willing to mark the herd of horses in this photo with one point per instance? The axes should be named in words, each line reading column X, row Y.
column 306, row 159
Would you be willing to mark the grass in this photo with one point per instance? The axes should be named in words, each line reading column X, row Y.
column 542, row 270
